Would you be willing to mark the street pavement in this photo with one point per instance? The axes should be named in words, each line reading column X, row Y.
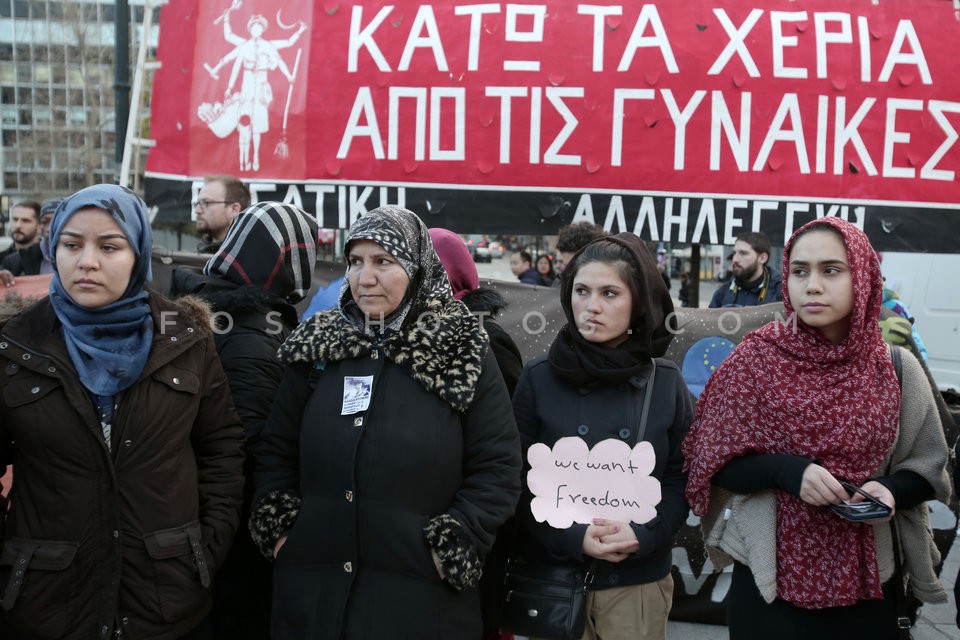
column 935, row 622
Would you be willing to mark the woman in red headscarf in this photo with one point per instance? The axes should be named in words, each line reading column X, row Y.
column 800, row 416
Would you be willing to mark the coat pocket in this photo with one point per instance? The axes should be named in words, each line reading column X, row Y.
column 178, row 379
column 28, row 388
column 181, row 568
column 37, row 584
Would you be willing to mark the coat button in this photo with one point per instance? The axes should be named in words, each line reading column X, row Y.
column 127, row 443
column 51, row 369
column 35, row 390
column 176, row 381
column 3, row 345
column 25, row 356
column 624, row 433
column 173, row 338
column 583, row 430
column 348, row 495
column 358, row 422
column 348, row 567
column 374, row 355
column 104, row 629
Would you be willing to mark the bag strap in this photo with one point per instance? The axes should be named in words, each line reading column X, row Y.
column 647, row 396
column 900, row 586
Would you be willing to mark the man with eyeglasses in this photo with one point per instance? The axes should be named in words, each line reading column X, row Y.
column 221, row 198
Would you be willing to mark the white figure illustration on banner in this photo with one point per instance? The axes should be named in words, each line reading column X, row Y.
column 247, row 110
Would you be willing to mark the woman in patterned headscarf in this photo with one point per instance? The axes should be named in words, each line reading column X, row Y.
column 263, row 267
column 391, row 455
column 128, row 451
column 797, row 417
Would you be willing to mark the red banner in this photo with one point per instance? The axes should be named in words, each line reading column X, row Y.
column 825, row 100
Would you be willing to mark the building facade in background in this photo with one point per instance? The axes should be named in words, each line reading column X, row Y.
column 57, row 122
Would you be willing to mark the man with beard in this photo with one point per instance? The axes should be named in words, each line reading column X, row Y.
column 221, row 198
column 25, row 226
column 35, row 258
column 754, row 282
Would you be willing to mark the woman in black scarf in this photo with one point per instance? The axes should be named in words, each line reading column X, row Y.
column 593, row 385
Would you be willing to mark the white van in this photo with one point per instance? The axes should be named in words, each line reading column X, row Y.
column 929, row 285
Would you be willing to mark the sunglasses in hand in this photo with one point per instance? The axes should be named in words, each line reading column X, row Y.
column 869, row 509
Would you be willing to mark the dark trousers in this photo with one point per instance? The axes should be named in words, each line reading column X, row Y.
column 749, row 617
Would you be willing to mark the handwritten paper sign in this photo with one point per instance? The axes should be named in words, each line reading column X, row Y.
column 572, row 483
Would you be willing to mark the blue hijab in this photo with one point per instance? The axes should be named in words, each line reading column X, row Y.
column 108, row 345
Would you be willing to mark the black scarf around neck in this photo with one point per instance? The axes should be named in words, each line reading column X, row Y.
column 584, row 363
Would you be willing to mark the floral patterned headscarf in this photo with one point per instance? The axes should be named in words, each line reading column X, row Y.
column 787, row 389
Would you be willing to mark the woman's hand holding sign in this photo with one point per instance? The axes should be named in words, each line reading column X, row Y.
column 609, row 540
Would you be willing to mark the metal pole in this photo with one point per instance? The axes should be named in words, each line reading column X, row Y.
column 133, row 142
column 695, row 276
column 121, row 77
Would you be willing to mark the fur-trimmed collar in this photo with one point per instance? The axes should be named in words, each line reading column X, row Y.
column 196, row 309
column 443, row 352
column 12, row 304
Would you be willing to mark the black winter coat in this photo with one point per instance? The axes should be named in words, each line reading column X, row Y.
column 548, row 408
column 24, row 262
column 356, row 564
column 130, row 535
column 251, row 324
column 487, row 304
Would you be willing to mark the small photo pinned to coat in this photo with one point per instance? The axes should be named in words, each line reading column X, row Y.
column 356, row 394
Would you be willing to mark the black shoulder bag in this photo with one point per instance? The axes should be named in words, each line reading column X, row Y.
column 550, row 601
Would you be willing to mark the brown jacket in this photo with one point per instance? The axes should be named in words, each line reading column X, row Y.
column 129, row 535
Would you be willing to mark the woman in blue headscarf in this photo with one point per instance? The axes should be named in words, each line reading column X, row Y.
column 127, row 448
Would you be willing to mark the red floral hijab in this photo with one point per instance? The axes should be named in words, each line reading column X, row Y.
column 787, row 389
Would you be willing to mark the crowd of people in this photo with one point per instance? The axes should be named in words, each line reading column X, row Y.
column 201, row 463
